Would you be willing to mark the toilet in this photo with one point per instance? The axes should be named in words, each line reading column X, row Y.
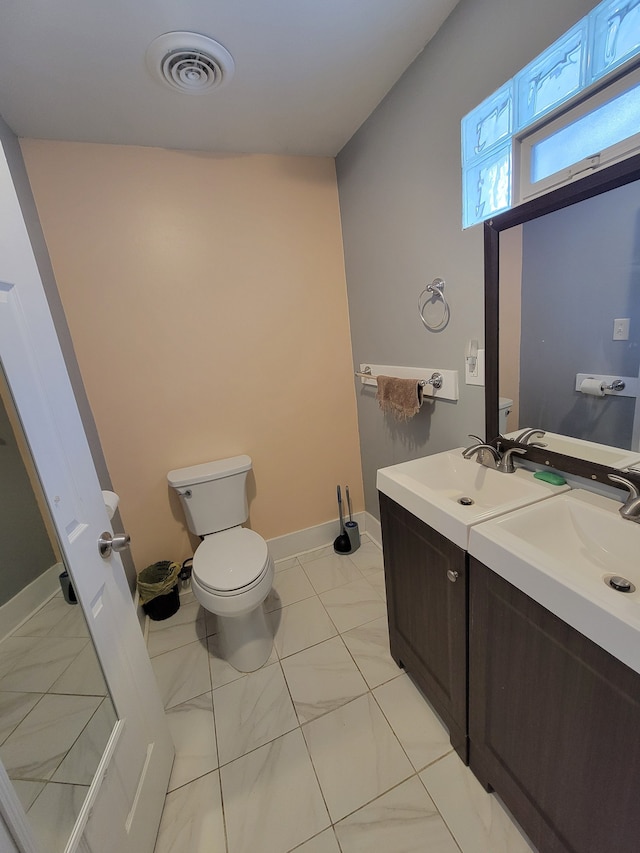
column 232, row 568
column 504, row 410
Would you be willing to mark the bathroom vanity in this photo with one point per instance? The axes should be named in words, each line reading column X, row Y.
column 426, row 578
column 496, row 633
column 554, row 723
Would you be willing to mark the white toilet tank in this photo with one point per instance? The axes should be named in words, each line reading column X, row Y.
column 213, row 494
column 504, row 410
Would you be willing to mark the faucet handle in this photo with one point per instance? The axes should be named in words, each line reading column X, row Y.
column 477, row 438
column 506, row 465
column 631, row 487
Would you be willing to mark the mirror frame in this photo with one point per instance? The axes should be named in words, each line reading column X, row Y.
column 610, row 178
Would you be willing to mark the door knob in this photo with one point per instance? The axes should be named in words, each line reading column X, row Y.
column 108, row 543
column 453, row 576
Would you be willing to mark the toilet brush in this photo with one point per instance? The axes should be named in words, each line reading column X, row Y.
column 353, row 532
column 342, row 543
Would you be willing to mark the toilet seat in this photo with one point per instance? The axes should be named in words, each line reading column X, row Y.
column 231, row 562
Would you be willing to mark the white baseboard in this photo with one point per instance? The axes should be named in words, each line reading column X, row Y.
column 373, row 528
column 22, row 606
column 281, row 547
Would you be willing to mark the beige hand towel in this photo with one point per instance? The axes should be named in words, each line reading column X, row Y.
column 401, row 398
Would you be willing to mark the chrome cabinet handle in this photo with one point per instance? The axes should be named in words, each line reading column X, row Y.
column 453, row 576
column 108, row 543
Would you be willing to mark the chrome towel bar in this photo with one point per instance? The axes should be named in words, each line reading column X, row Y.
column 435, row 380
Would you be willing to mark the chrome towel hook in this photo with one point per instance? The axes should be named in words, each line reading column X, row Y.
column 431, row 293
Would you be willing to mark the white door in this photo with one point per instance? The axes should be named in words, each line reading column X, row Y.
column 124, row 804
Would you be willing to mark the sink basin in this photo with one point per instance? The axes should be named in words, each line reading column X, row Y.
column 431, row 488
column 602, row 454
column 562, row 554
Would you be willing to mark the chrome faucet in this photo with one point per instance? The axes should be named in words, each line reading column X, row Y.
column 488, row 456
column 485, row 453
column 526, row 436
column 505, row 465
column 630, row 509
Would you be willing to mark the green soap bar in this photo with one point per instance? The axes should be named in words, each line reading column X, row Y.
column 550, row 477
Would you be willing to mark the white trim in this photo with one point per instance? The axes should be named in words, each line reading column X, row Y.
column 373, row 528
column 30, row 599
column 597, row 160
column 14, row 817
column 281, row 547
column 141, row 615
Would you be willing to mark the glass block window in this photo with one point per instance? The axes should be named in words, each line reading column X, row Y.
column 488, row 125
column 603, row 127
column 606, row 43
column 615, row 35
column 487, row 187
column 553, row 77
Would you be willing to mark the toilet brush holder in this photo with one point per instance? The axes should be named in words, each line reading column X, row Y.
column 353, row 532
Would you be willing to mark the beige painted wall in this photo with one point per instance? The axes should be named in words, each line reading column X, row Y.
column 510, row 320
column 206, row 299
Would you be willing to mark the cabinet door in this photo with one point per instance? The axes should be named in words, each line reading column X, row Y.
column 554, row 723
column 427, row 609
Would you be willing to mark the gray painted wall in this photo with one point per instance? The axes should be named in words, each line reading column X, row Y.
column 400, row 199
column 30, row 213
column 25, row 549
column 580, row 270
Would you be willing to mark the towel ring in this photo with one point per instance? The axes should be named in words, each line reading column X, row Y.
column 435, row 292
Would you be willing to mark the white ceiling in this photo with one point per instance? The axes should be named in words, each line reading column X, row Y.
column 308, row 72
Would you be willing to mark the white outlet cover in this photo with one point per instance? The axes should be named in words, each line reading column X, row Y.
column 621, row 329
column 479, row 379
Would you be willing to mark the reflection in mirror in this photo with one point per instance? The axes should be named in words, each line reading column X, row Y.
column 576, row 276
column 56, row 715
column 568, row 293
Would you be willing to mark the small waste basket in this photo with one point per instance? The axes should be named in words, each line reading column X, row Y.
column 158, row 589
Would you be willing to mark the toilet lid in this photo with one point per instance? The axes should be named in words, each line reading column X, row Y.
column 230, row 560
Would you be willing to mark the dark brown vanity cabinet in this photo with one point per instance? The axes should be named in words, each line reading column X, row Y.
column 426, row 579
column 554, row 723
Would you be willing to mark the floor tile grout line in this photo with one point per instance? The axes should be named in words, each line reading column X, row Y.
column 317, row 835
column 42, row 695
column 304, row 740
column 336, row 586
column 369, row 690
column 317, row 778
column 301, row 727
column 299, row 724
column 377, row 797
column 222, row 808
column 444, row 820
column 397, row 736
column 270, row 740
column 75, row 742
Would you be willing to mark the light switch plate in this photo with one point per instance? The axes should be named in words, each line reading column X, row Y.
column 479, row 378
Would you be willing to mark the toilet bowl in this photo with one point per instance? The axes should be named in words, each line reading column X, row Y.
column 232, row 568
column 232, row 575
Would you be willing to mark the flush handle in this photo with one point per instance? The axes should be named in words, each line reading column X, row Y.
column 453, row 576
column 108, row 543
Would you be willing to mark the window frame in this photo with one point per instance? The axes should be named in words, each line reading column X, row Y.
column 524, row 189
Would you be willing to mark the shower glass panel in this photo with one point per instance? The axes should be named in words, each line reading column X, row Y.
column 56, row 715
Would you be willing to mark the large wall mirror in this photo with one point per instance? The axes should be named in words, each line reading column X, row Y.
column 562, row 284
column 56, row 714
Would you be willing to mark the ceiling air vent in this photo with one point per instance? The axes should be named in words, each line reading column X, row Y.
column 189, row 62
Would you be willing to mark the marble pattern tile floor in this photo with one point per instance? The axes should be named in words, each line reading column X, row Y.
column 329, row 748
column 55, row 717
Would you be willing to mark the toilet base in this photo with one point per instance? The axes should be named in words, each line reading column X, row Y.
column 246, row 641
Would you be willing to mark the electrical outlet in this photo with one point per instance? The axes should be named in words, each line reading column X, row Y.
column 475, row 377
column 621, row 329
